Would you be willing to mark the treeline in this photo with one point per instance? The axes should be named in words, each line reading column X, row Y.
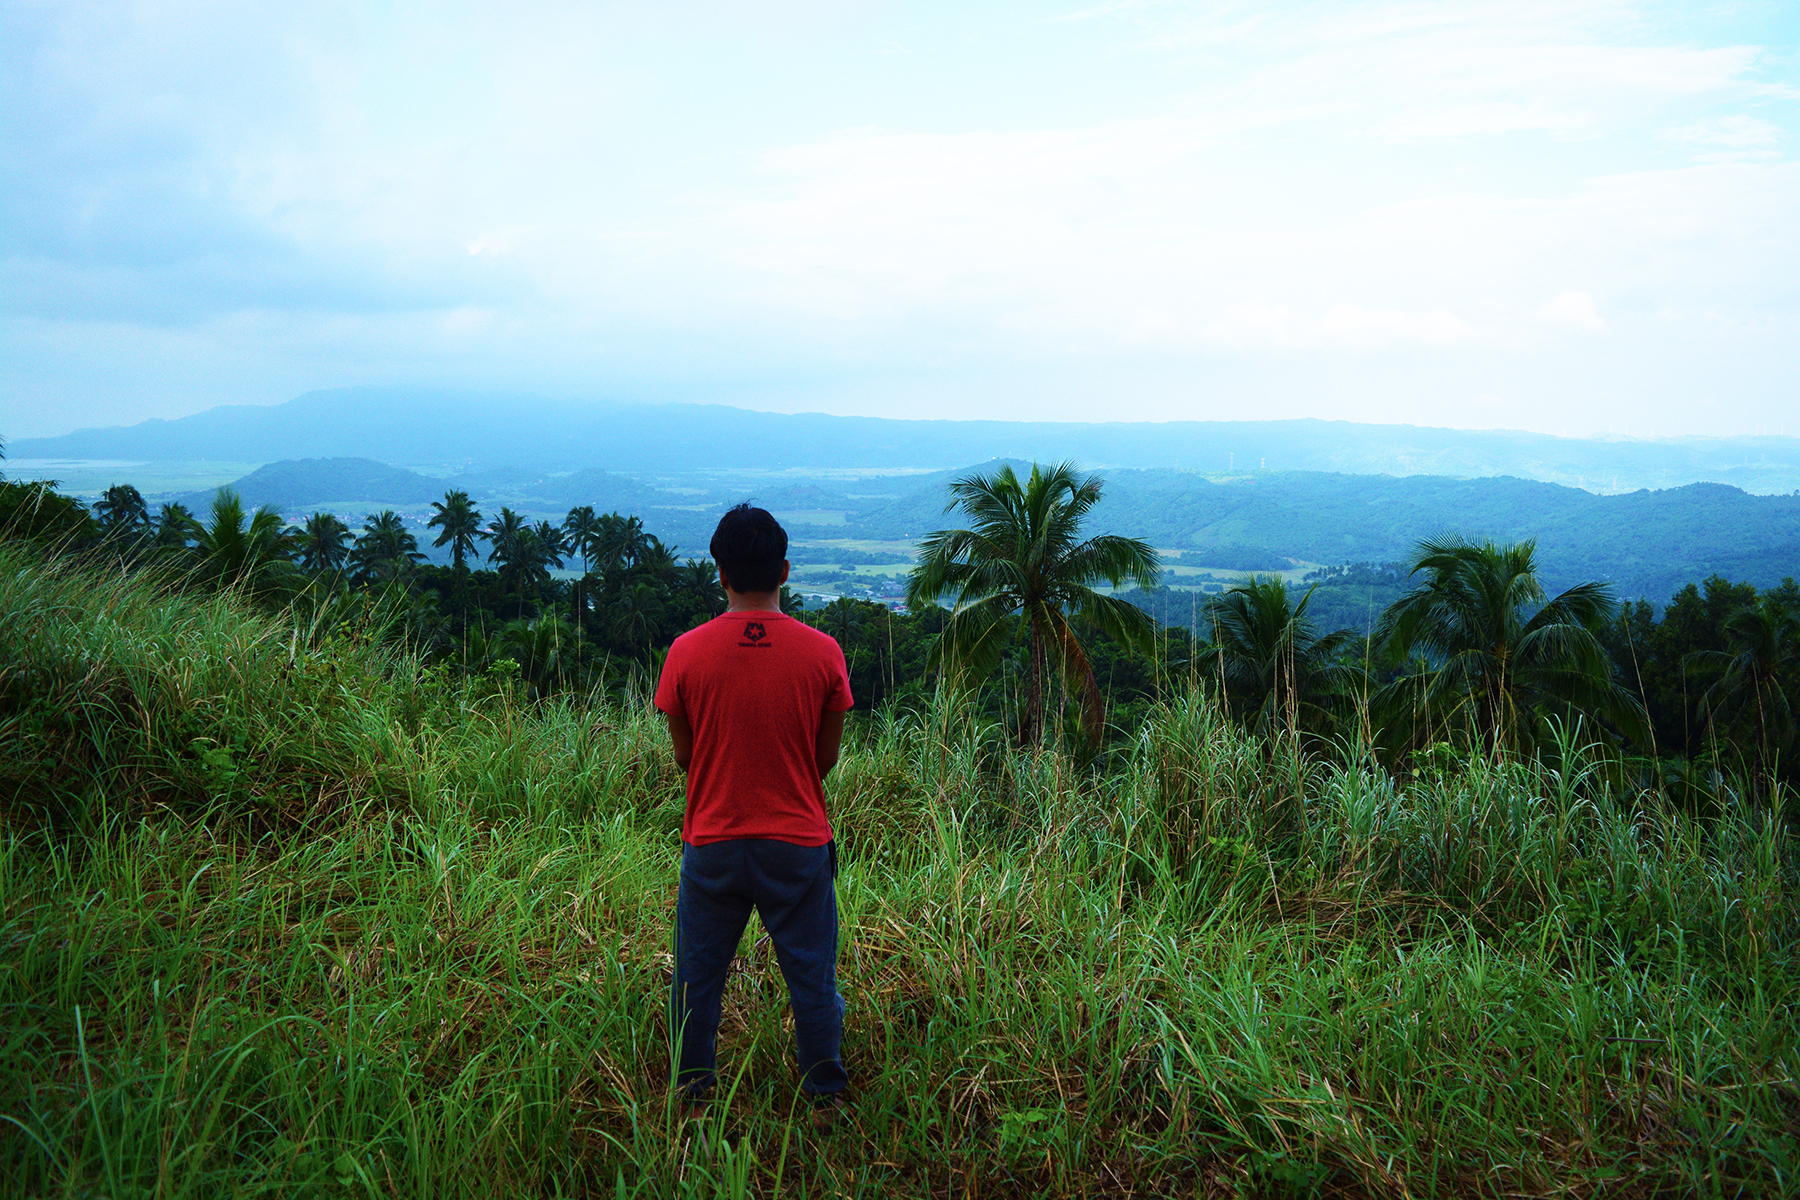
column 1457, row 654
column 497, row 609
column 1717, row 671
column 1644, row 543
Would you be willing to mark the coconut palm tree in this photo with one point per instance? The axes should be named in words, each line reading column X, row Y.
column 525, row 553
column 502, row 533
column 1751, row 693
column 242, row 550
column 698, row 581
column 1276, row 671
column 1025, row 555
column 550, row 546
column 323, row 542
column 603, row 545
column 656, row 557
column 385, row 550
column 620, row 542
column 121, row 511
column 1494, row 657
column 636, row 616
column 547, row 651
column 175, row 526
column 460, row 523
column 581, row 530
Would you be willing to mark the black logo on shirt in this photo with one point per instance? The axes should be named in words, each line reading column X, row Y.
column 754, row 632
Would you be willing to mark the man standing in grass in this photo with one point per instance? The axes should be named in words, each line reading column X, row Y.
column 755, row 702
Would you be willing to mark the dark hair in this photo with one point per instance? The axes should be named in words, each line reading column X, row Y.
column 750, row 545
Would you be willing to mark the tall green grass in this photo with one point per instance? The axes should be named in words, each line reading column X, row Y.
column 286, row 916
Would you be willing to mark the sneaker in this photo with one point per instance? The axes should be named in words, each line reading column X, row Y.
column 828, row 1112
column 695, row 1127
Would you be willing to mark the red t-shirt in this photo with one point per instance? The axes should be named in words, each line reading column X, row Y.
column 753, row 687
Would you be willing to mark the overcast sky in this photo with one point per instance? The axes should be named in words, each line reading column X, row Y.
column 1568, row 216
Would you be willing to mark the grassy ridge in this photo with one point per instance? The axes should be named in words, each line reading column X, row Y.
column 308, row 921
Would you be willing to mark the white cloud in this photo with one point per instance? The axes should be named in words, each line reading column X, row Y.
column 1366, row 329
column 1467, row 120
column 571, row 190
column 1260, row 325
column 468, row 320
column 1576, row 310
column 1737, row 131
column 1087, row 241
column 1257, row 325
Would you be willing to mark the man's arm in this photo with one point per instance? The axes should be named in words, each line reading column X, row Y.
column 681, row 738
column 831, row 737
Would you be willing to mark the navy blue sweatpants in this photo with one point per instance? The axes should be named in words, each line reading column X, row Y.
column 791, row 888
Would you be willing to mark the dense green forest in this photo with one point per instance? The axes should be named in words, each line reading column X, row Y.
column 324, row 872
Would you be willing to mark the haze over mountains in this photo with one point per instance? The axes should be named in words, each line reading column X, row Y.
column 434, row 426
column 1232, row 496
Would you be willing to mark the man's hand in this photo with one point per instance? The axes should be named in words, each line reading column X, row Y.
column 825, row 750
column 831, row 737
column 681, row 738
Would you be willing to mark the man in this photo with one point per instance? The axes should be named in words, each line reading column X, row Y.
column 755, row 702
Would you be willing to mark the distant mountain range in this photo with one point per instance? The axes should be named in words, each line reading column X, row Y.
column 1645, row 543
column 421, row 427
column 1243, row 495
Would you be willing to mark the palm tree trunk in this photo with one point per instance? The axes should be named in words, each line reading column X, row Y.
column 1762, row 745
column 1032, row 726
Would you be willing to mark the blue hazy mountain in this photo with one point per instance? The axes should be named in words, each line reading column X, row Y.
column 295, row 484
column 419, row 426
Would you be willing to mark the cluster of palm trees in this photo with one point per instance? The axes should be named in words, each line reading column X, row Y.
column 254, row 548
column 1475, row 653
column 384, row 552
column 1749, row 700
column 632, row 593
column 232, row 546
column 123, row 515
column 238, row 545
column 631, row 597
column 526, row 553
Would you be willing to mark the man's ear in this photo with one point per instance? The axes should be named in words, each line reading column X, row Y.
column 724, row 582
column 785, row 568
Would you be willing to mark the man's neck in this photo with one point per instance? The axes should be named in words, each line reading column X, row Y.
column 765, row 602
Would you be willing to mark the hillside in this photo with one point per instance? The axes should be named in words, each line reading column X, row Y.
column 288, row 915
column 292, row 484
